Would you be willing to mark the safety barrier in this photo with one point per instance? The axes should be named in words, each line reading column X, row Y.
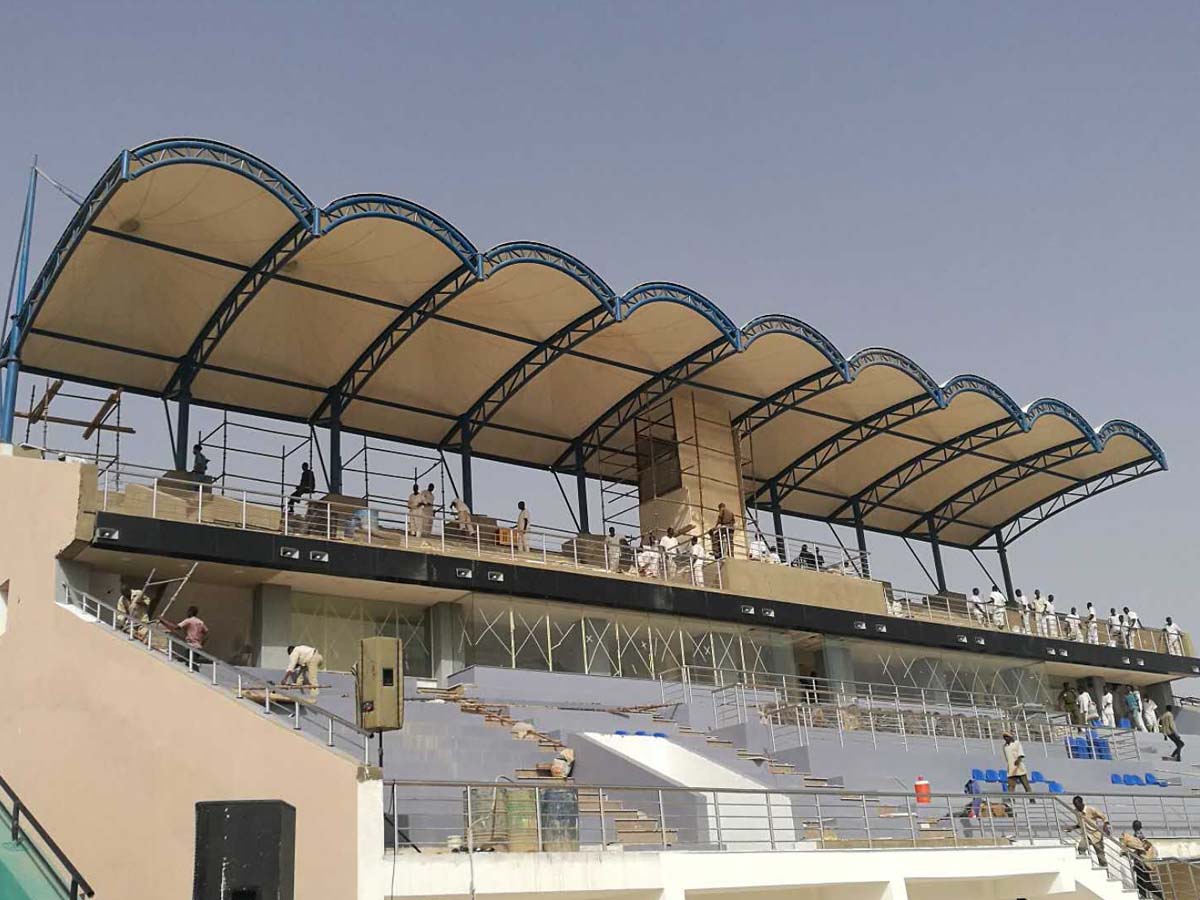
column 20, row 823
column 300, row 711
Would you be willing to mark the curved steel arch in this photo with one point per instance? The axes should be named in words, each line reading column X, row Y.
column 200, row 151
column 517, row 252
column 1051, row 406
column 781, row 323
column 1041, row 462
column 1034, row 515
column 250, row 285
column 564, row 341
column 930, row 459
column 885, row 356
column 1124, row 428
column 669, row 292
column 805, row 466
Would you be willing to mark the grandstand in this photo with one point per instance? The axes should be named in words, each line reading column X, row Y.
column 722, row 686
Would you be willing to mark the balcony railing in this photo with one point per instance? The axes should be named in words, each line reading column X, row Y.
column 300, row 711
column 23, row 827
column 140, row 491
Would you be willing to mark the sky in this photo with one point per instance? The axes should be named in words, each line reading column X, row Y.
column 1004, row 189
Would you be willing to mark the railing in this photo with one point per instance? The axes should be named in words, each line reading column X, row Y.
column 142, row 491
column 802, row 553
column 304, row 715
column 534, row 818
column 73, row 882
column 962, row 611
column 798, row 709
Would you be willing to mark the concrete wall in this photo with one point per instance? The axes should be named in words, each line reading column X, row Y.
column 111, row 747
column 793, row 585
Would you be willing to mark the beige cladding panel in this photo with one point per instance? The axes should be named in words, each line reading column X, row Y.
column 252, row 393
column 80, row 360
column 708, row 461
column 786, row 584
column 146, row 740
column 655, row 337
column 526, row 299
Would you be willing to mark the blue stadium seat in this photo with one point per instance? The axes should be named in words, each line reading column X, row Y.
column 1004, row 787
column 1136, row 781
column 640, row 733
column 1128, row 780
column 659, row 734
column 1055, row 787
column 1124, row 723
column 977, row 774
column 1151, row 778
column 1115, row 778
column 621, row 732
column 1036, row 777
column 991, row 776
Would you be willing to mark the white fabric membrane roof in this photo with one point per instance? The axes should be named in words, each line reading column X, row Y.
column 195, row 268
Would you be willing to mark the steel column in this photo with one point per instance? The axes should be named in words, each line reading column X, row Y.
column 860, row 536
column 184, row 405
column 777, row 523
column 937, row 556
column 464, row 452
column 335, row 446
column 12, row 369
column 1002, row 552
column 581, row 488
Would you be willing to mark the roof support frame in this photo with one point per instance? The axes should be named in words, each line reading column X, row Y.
column 808, row 464
column 789, row 398
column 1042, row 462
column 1028, row 519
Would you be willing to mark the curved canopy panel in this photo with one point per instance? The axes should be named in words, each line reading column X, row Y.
column 195, row 270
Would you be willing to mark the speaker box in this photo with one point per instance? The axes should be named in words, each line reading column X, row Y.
column 245, row 850
column 380, row 684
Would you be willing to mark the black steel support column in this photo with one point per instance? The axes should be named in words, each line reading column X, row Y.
column 581, row 489
column 860, row 536
column 937, row 557
column 464, row 453
column 184, row 407
column 777, row 524
column 335, row 446
column 1002, row 552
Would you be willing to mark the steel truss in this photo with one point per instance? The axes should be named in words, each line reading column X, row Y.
column 1028, row 519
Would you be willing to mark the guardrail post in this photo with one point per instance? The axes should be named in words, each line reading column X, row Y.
column 329, row 739
column 154, row 501
column 200, row 503
column 470, row 821
column 296, row 726
column 866, row 821
column 537, row 813
column 950, row 818
column 662, row 820
column 105, row 506
column 603, row 827
column 243, row 510
column 16, row 821
column 820, row 823
column 717, row 819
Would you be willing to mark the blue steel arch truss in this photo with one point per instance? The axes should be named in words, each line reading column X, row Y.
column 1045, row 461
column 1029, row 518
column 295, row 239
column 566, row 340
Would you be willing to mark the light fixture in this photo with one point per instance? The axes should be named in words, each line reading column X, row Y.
column 860, row 626
column 321, row 556
column 495, row 576
column 289, row 552
column 747, row 609
column 463, row 573
column 108, row 534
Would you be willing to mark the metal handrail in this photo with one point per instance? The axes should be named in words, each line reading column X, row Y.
column 19, row 809
column 194, row 658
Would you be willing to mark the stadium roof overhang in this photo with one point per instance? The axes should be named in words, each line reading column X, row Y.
column 195, row 270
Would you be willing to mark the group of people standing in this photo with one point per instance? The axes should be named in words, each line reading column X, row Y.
column 1037, row 615
column 1126, row 704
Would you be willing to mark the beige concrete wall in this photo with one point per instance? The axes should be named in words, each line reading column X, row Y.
column 111, row 747
column 792, row 585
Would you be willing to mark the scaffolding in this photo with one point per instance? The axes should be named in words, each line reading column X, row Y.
column 675, row 458
column 228, row 437
column 96, row 430
column 422, row 465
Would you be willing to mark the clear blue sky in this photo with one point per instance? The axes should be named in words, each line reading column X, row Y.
column 1007, row 189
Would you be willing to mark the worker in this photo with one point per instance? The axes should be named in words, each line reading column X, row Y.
column 414, row 511
column 303, row 662
column 1115, row 637
column 462, row 515
column 648, row 558
column 199, row 461
column 975, row 603
column 1133, row 707
column 761, row 551
column 427, row 507
column 1107, row 715
column 699, row 558
column 999, row 608
column 612, row 550
column 133, row 610
column 1014, row 761
column 1093, row 625
column 307, row 486
column 1074, row 631
column 722, row 534
column 1137, row 847
column 1068, row 702
column 1052, row 630
column 1087, row 707
column 192, row 627
column 667, row 545
column 1023, row 606
column 805, row 559
column 1038, row 605
column 1150, row 715
column 1092, row 825
column 1166, row 725
column 1174, row 638
column 521, row 529
column 1132, row 627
